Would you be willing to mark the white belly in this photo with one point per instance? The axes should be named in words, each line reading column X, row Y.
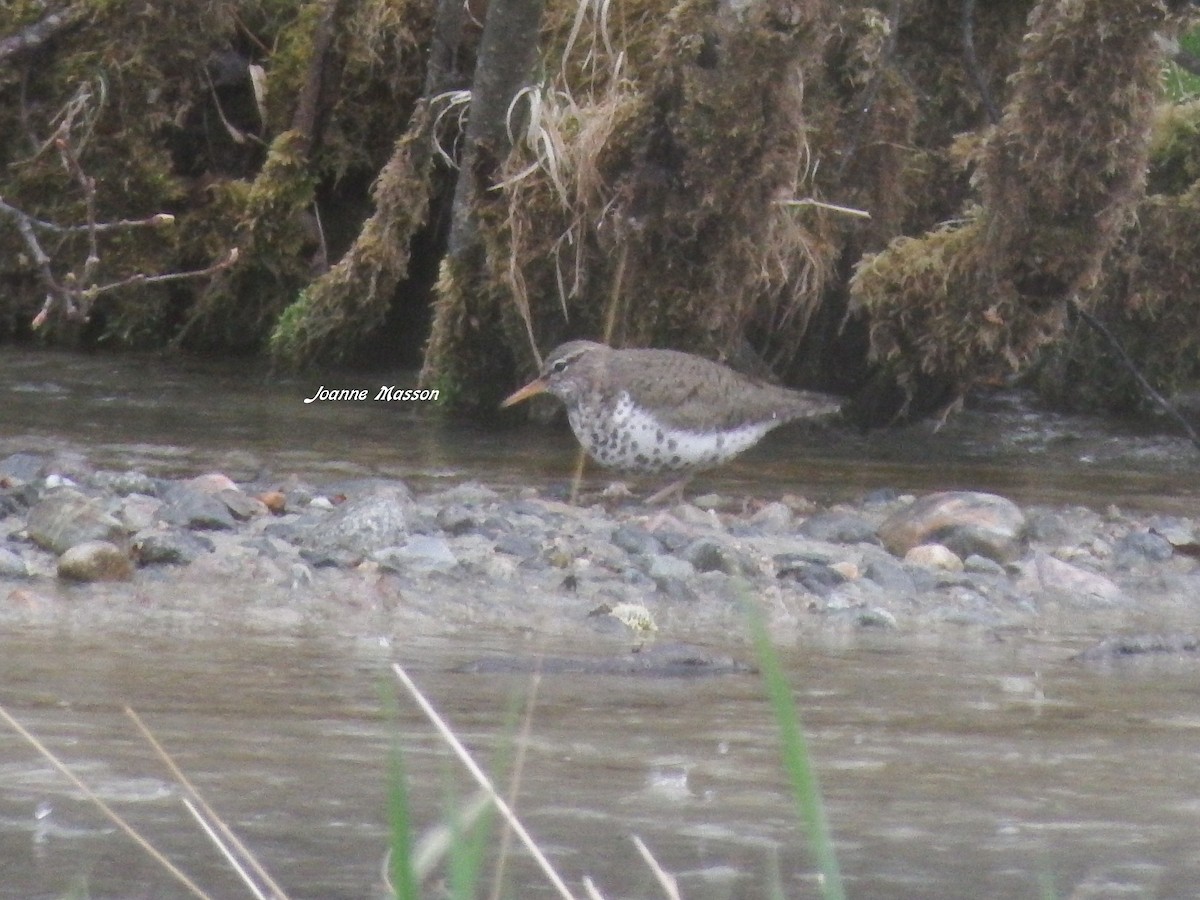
column 628, row 438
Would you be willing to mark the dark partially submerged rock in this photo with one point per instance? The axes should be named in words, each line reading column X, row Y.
column 1126, row 646
column 656, row 661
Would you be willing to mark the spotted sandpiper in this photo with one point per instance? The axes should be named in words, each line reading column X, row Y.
column 654, row 411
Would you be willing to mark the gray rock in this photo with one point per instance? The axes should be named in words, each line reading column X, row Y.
column 707, row 555
column 891, row 576
column 1049, row 528
column 22, row 467
column 456, row 519
column 816, row 578
column 1069, row 583
column 838, row 527
column 1140, row 546
column 190, row 507
column 95, row 561
column 981, row 565
column 241, row 505
column 876, row 617
column 67, row 517
column 774, row 518
column 138, row 512
column 636, row 541
column 965, row 522
column 357, row 528
column 519, row 545
column 173, row 547
column 419, row 553
column 662, row 567
column 124, row 483
column 11, row 565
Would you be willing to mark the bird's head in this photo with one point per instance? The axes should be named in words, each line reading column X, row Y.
column 566, row 373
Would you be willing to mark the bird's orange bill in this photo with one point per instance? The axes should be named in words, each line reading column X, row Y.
column 535, row 387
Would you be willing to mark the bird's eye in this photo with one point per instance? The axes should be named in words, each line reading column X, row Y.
column 559, row 365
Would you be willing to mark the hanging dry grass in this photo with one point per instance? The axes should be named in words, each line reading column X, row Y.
column 633, row 214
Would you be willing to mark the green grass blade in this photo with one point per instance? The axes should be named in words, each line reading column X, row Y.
column 400, row 862
column 796, row 759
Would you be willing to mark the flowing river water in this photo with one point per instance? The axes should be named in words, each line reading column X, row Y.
column 950, row 767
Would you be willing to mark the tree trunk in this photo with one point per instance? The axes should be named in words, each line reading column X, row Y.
column 467, row 312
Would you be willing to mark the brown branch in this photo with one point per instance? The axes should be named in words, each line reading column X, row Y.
column 120, row 224
column 71, row 161
column 142, row 278
column 55, row 293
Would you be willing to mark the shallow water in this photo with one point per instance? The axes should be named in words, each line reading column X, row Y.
column 947, row 771
column 950, row 769
column 171, row 418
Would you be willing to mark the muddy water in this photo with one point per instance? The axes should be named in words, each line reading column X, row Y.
column 949, row 770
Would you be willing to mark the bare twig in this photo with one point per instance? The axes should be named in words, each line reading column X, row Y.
column 209, row 813
column 70, row 294
column 821, row 204
column 140, row 278
column 112, row 814
column 210, row 831
column 1131, row 367
column 665, row 879
column 514, row 785
column 154, row 221
column 436, row 843
column 483, row 781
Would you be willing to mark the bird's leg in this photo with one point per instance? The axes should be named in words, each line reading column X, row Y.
column 673, row 491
